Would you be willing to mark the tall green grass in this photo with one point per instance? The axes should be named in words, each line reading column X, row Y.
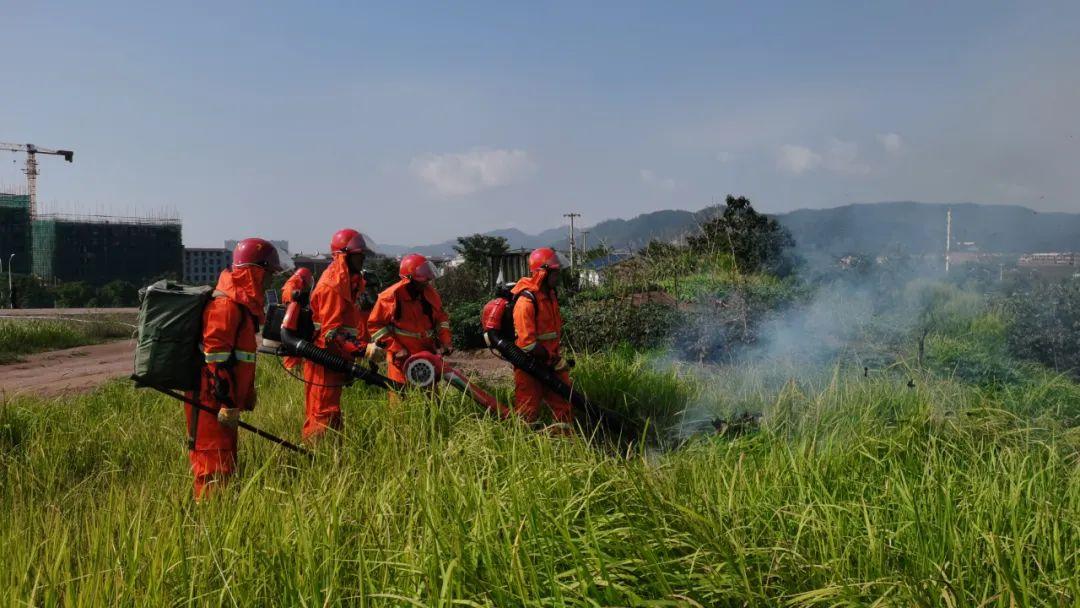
column 25, row 336
column 855, row 492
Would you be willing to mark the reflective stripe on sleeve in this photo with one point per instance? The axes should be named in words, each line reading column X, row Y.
column 412, row 334
column 217, row 357
column 382, row 333
column 529, row 347
column 554, row 335
column 245, row 356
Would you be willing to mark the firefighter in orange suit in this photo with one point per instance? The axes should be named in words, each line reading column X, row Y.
column 409, row 318
column 341, row 329
column 227, row 384
column 297, row 289
column 538, row 327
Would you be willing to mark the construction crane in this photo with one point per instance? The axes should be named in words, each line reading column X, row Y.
column 31, row 167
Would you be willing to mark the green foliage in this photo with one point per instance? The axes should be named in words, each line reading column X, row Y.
column 463, row 284
column 859, row 492
column 757, row 242
column 635, row 385
column 477, row 248
column 1046, row 325
column 465, row 324
column 598, row 325
column 25, row 336
column 380, row 272
column 117, row 294
column 74, row 295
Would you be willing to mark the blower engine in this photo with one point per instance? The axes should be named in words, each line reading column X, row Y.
column 289, row 331
column 425, row 369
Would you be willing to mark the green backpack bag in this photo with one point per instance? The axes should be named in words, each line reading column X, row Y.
column 168, row 353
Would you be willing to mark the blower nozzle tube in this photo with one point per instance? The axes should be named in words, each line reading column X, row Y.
column 526, row 363
column 302, row 348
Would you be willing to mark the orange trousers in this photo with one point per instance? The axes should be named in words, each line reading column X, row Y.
column 322, row 400
column 213, row 456
column 529, row 393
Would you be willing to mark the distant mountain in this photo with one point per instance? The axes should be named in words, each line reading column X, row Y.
column 617, row 233
column 920, row 228
column 857, row 228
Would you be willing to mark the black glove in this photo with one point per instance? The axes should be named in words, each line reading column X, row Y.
column 222, row 388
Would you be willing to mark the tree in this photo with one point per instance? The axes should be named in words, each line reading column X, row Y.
column 755, row 241
column 118, row 294
column 478, row 248
column 73, row 295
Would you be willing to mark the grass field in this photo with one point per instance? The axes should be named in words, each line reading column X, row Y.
column 854, row 492
column 25, row 336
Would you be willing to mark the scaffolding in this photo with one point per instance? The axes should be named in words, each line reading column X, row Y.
column 99, row 248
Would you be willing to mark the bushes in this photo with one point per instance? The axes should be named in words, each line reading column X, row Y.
column 1046, row 325
column 465, row 324
column 33, row 293
column 593, row 326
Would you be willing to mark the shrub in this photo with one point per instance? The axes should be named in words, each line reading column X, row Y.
column 1046, row 325
column 465, row 324
column 593, row 326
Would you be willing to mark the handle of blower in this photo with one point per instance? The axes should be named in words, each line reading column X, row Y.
column 295, row 345
column 247, row 427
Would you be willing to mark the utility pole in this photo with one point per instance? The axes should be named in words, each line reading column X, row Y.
column 584, row 242
column 572, row 216
column 948, row 239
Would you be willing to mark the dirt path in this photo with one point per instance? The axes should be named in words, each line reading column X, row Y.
column 84, row 368
column 72, row 370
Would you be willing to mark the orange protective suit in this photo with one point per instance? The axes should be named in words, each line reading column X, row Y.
column 538, row 326
column 399, row 322
column 294, row 284
column 342, row 328
column 228, row 375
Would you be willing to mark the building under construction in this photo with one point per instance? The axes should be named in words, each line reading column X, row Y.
column 15, row 231
column 95, row 249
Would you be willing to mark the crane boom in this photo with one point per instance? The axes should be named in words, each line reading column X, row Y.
column 31, row 167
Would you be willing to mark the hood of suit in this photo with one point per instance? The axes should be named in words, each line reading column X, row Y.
column 244, row 286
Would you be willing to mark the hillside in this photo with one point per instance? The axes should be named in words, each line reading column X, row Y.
column 631, row 233
column 863, row 227
column 920, row 227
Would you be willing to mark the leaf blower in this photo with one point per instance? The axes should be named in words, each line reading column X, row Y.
column 289, row 331
column 497, row 323
column 424, row 369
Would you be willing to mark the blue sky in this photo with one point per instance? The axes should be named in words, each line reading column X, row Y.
column 418, row 122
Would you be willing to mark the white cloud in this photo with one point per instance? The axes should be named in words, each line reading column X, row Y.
column 663, row 183
column 464, row 173
column 892, row 142
column 797, row 160
column 838, row 156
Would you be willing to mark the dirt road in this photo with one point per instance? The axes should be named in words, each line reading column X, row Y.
column 84, row 368
column 71, row 370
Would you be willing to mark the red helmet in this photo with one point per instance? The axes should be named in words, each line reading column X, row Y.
column 416, row 267
column 544, row 258
column 305, row 276
column 348, row 240
column 258, row 252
